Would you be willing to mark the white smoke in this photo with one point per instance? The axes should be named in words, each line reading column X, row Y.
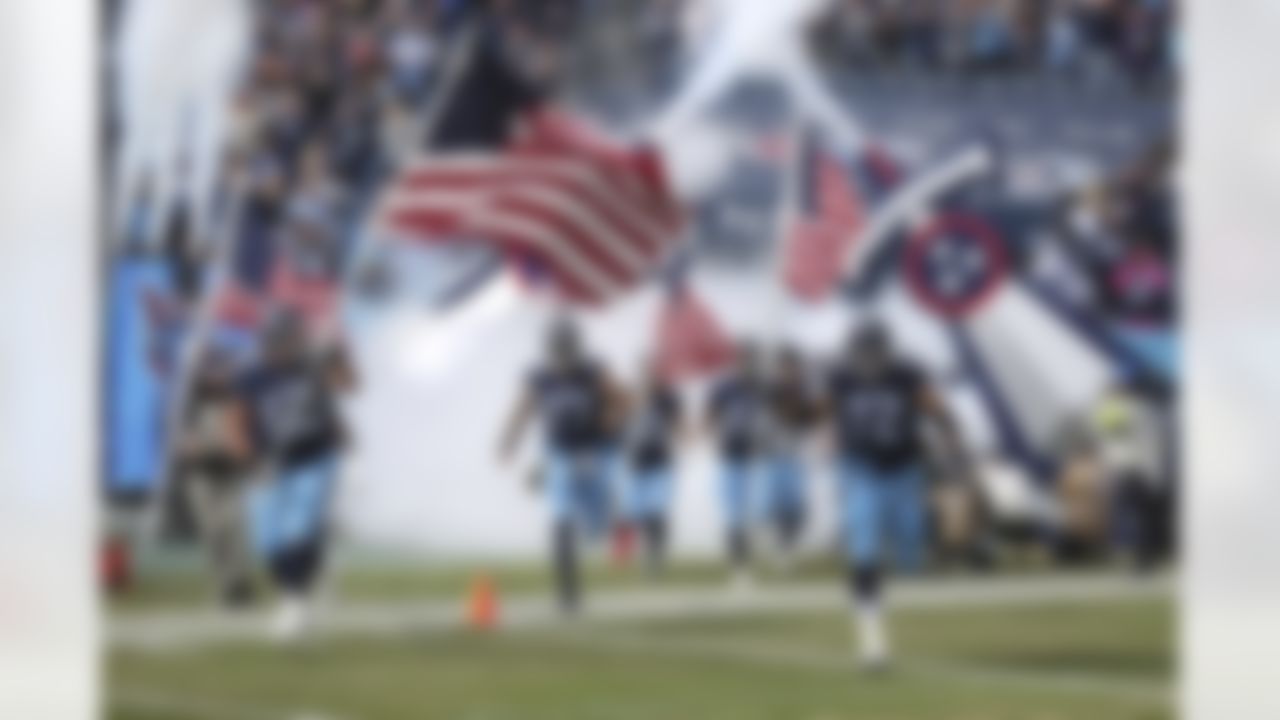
column 178, row 66
column 743, row 39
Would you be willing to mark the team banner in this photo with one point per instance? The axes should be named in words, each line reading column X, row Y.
column 142, row 330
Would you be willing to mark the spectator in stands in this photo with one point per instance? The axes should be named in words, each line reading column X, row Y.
column 411, row 51
column 1106, row 37
column 1127, row 429
column 1082, row 500
column 1062, row 38
column 991, row 37
column 317, row 198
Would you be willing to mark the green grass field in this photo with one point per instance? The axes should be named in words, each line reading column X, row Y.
column 182, row 582
column 188, row 585
column 1091, row 660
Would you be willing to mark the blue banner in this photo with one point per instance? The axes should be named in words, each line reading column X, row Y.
column 143, row 327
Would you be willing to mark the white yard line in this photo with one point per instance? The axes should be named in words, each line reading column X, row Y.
column 186, row 707
column 184, row 631
column 965, row 673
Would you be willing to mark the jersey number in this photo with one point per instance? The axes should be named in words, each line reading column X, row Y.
column 876, row 416
column 287, row 411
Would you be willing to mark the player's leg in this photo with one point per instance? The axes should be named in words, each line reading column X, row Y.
column 1148, row 510
column 219, row 510
column 598, row 483
column 654, row 497
column 564, row 542
column 864, row 527
column 735, row 492
column 302, row 523
column 909, row 513
column 788, row 505
column 656, row 543
column 616, row 490
column 261, row 501
column 237, row 557
column 203, row 501
column 1131, row 517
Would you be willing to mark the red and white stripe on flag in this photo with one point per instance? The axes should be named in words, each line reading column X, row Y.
column 315, row 299
column 595, row 215
column 691, row 342
column 824, row 232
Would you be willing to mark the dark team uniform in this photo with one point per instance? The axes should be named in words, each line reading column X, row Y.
column 572, row 403
column 740, row 411
column 650, row 446
column 878, row 419
column 651, row 458
column 877, row 422
column 294, row 413
column 738, row 407
column 792, row 412
column 793, row 407
column 651, row 454
column 296, row 426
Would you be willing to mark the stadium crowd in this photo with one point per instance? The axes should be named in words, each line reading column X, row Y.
column 1133, row 37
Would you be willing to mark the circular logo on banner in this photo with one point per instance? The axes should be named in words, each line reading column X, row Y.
column 955, row 263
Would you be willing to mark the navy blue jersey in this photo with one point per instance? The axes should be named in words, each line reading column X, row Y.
column 293, row 413
column 740, row 410
column 653, row 429
column 572, row 404
column 878, row 418
column 794, row 407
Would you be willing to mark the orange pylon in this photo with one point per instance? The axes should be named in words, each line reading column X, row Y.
column 624, row 541
column 482, row 603
column 115, row 564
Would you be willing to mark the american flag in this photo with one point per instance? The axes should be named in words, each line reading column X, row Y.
column 835, row 199
column 591, row 216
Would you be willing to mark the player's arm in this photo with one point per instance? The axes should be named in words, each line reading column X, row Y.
column 238, row 432
column 341, row 371
column 682, row 431
column 820, row 408
column 517, row 422
column 822, row 415
column 709, row 421
column 617, row 402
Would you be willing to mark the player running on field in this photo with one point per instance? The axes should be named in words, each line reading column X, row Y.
column 793, row 413
column 292, row 396
column 576, row 403
column 879, row 403
column 737, row 414
column 653, row 433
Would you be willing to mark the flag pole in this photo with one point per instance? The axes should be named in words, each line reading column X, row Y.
column 194, row 344
column 788, row 212
column 460, row 55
